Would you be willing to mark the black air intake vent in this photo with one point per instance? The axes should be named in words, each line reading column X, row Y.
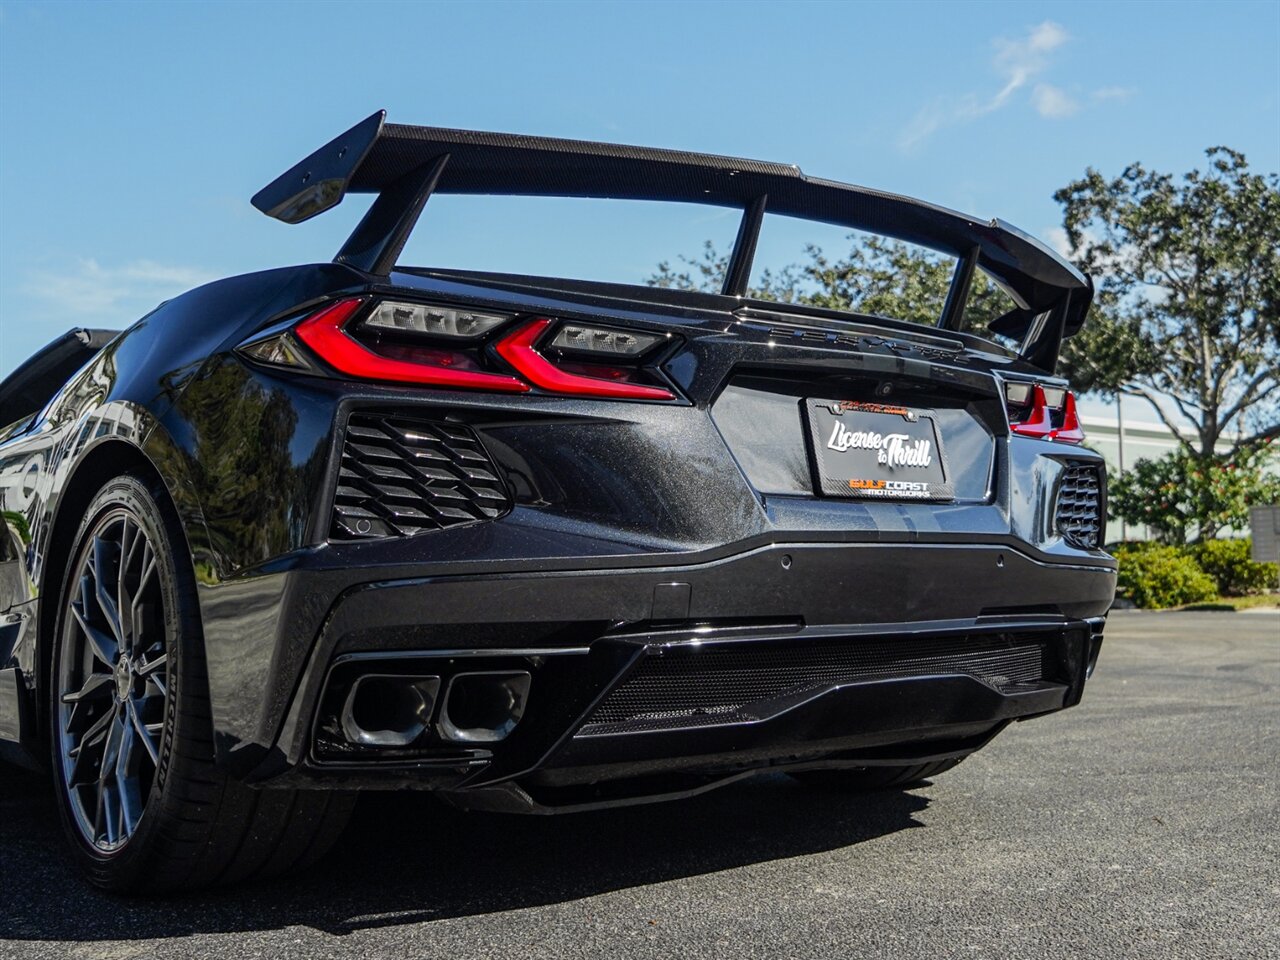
column 401, row 477
column 1079, row 512
column 738, row 683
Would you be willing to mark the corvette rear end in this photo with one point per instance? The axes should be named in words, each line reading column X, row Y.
column 807, row 551
column 544, row 544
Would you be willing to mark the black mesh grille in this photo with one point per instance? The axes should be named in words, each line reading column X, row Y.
column 720, row 684
column 402, row 477
column 1079, row 512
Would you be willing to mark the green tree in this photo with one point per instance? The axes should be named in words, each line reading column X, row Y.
column 1188, row 308
column 1183, row 492
column 1186, row 313
column 876, row 276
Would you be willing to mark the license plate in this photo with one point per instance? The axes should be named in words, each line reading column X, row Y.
column 877, row 451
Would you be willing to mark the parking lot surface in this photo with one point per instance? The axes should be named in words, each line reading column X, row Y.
column 1143, row 823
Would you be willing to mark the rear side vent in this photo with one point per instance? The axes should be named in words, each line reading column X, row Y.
column 1079, row 512
column 401, row 477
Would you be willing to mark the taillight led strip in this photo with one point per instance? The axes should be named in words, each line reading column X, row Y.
column 325, row 332
column 1037, row 419
column 519, row 349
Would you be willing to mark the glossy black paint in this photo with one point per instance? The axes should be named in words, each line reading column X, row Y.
column 626, row 514
column 26, row 389
column 877, row 721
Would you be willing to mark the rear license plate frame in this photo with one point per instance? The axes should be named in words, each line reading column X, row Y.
column 876, row 451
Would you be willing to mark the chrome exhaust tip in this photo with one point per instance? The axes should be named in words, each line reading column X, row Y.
column 483, row 707
column 388, row 710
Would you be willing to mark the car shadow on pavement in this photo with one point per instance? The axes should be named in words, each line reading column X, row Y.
column 409, row 859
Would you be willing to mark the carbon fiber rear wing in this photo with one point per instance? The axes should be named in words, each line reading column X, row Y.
column 404, row 165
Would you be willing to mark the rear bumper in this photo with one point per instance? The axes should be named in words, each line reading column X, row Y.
column 583, row 634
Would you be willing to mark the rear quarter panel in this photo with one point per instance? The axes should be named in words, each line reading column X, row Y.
column 128, row 397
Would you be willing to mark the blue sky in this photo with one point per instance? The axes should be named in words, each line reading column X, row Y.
column 133, row 135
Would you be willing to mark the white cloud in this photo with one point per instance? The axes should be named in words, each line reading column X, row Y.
column 119, row 293
column 1053, row 102
column 1089, row 237
column 1057, row 238
column 1016, row 60
column 1019, row 62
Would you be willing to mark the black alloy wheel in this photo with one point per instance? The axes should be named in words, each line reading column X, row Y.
column 144, row 802
column 112, row 680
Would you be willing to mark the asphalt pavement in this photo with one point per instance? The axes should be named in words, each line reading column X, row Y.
column 1143, row 823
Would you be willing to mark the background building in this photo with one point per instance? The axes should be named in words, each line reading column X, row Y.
column 1124, row 443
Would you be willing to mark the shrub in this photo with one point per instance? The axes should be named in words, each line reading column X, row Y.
column 1132, row 546
column 1183, row 493
column 1230, row 564
column 1158, row 577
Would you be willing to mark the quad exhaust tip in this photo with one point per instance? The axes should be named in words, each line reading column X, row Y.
column 483, row 707
column 388, row 710
column 395, row 710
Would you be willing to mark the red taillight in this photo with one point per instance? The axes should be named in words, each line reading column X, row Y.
column 1071, row 431
column 1036, row 422
column 1036, row 419
column 323, row 332
column 518, row 350
column 405, row 342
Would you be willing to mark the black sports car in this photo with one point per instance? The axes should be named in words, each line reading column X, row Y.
column 534, row 544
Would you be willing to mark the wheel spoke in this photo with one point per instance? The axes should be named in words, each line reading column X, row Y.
column 95, row 736
column 111, row 746
column 148, row 667
column 86, row 756
column 108, row 812
column 124, row 752
column 102, row 551
column 140, row 612
column 103, row 646
column 127, row 781
column 156, row 673
column 123, row 598
column 140, row 619
column 109, row 805
column 148, row 565
column 100, row 813
column 98, row 685
column 88, row 707
column 144, row 734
